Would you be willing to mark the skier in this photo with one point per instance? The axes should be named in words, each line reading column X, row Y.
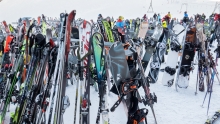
column 100, row 16
column 169, row 15
column 120, row 26
column 158, row 17
column 203, row 17
column 215, row 17
column 155, row 16
column 144, row 18
column 186, row 17
column 137, row 23
column 167, row 19
column 127, row 23
column 212, row 15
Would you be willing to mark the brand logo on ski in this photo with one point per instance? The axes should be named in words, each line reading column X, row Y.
column 187, row 57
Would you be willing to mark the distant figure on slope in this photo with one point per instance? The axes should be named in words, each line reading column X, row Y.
column 127, row 23
column 144, row 18
column 100, row 16
column 137, row 24
column 167, row 19
column 203, row 17
column 120, row 26
column 159, row 18
column 155, row 16
column 169, row 15
column 186, row 17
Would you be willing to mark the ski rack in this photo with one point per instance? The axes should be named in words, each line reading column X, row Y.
column 217, row 5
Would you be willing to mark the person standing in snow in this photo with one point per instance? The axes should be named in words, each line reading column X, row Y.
column 186, row 17
column 167, row 19
column 127, row 23
column 120, row 26
column 100, row 16
column 159, row 18
column 203, row 17
column 144, row 18
column 169, row 15
column 137, row 23
column 155, row 16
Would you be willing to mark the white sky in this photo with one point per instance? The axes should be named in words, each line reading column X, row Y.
column 11, row 10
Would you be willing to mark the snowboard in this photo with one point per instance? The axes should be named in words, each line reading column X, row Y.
column 157, row 57
column 150, row 44
column 118, row 65
column 186, row 58
column 176, row 42
column 143, row 30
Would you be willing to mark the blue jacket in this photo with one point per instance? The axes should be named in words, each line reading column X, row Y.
column 120, row 24
column 185, row 15
column 158, row 17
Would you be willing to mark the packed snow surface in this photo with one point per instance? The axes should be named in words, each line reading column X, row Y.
column 183, row 107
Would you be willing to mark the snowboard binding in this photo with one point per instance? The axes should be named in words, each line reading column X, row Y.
column 184, row 70
column 129, row 85
column 138, row 116
column 175, row 47
column 149, row 42
column 170, row 70
column 151, row 100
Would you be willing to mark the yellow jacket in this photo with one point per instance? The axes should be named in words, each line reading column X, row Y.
column 169, row 15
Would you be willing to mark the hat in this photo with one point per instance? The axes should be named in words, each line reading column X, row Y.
column 121, row 17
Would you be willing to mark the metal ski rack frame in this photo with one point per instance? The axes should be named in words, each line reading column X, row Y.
column 217, row 6
column 186, row 4
column 150, row 7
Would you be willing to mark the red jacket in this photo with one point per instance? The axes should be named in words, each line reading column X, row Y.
column 216, row 17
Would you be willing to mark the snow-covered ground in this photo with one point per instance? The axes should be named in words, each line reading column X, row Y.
column 182, row 107
column 173, row 107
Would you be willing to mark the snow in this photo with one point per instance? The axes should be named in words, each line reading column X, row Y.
column 183, row 107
